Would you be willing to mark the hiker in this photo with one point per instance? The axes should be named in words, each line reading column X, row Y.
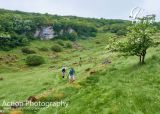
column 80, row 61
column 63, row 71
column 71, row 75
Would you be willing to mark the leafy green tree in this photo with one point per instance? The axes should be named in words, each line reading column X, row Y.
column 139, row 39
column 5, row 41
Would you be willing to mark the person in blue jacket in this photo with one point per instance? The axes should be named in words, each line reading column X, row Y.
column 71, row 75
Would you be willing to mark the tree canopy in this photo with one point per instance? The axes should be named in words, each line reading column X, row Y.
column 139, row 39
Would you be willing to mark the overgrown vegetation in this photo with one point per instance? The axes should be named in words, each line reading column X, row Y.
column 45, row 49
column 60, row 42
column 119, row 87
column 74, row 30
column 27, row 50
column 118, row 29
column 56, row 48
column 68, row 45
column 19, row 27
column 34, row 60
column 10, row 41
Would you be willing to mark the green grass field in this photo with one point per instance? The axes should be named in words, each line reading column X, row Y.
column 121, row 87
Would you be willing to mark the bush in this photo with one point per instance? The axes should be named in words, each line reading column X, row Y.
column 121, row 33
column 43, row 49
column 60, row 42
column 93, row 34
column 118, row 29
column 72, row 36
column 34, row 60
column 10, row 41
column 56, row 48
column 69, row 45
column 26, row 50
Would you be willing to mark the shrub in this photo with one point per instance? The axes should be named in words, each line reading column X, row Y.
column 56, row 48
column 69, row 45
column 121, row 33
column 26, row 50
column 93, row 34
column 10, row 41
column 43, row 49
column 72, row 36
column 34, row 60
column 60, row 42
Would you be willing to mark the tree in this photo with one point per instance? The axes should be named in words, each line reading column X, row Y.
column 9, row 41
column 139, row 38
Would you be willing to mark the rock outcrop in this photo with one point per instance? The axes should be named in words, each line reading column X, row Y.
column 45, row 33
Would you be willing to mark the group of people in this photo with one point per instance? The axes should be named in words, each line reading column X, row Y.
column 71, row 74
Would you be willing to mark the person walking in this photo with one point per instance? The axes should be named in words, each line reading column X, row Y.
column 71, row 75
column 63, row 71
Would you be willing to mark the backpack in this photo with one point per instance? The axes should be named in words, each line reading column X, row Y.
column 71, row 72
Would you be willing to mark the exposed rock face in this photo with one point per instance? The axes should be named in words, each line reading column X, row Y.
column 45, row 33
column 70, row 30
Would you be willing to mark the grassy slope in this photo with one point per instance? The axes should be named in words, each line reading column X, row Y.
column 20, row 82
column 123, row 87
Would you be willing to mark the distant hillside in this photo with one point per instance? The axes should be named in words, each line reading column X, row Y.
column 23, row 26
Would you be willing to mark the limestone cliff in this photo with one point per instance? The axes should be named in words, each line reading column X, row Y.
column 45, row 33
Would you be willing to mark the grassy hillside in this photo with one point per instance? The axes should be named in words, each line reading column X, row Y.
column 20, row 81
column 124, row 87
column 106, row 82
column 19, row 28
column 119, row 87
